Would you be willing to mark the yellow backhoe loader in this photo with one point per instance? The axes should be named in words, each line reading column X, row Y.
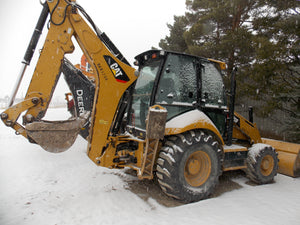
column 168, row 120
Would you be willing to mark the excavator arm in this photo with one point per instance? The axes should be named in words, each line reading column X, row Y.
column 113, row 76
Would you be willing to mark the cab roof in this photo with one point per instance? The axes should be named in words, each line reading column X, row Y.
column 141, row 58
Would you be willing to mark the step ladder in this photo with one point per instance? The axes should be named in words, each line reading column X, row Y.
column 155, row 131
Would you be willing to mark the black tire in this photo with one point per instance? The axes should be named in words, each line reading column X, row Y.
column 189, row 166
column 262, row 163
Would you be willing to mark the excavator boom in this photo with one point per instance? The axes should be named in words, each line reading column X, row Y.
column 113, row 76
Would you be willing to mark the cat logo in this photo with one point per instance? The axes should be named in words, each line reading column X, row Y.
column 117, row 71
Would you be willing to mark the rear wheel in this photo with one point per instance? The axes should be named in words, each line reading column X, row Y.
column 189, row 166
column 262, row 163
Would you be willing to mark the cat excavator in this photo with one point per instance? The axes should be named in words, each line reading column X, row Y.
column 168, row 120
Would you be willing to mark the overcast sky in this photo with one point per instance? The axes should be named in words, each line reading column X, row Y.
column 133, row 25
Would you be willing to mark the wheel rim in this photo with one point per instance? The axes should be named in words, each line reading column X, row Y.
column 267, row 165
column 197, row 168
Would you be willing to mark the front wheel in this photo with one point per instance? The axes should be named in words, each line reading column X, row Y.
column 189, row 166
column 262, row 163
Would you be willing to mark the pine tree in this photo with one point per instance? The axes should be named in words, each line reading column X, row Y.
column 217, row 29
column 175, row 42
column 260, row 37
column 275, row 73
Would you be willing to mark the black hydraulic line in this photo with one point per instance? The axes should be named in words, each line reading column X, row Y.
column 231, row 107
column 106, row 40
column 250, row 110
column 36, row 34
column 102, row 36
column 30, row 50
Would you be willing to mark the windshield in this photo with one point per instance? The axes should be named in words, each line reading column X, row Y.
column 142, row 93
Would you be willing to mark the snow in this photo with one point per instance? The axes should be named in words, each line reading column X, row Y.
column 38, row 187
column 256, row 149
column 194, row 116
column 232, row 147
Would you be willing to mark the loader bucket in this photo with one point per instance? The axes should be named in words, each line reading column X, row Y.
column 288, row 155
column 55, row 136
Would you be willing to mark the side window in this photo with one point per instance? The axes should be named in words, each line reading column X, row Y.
column 212, row 86
column 177, row 88
column 178, row 81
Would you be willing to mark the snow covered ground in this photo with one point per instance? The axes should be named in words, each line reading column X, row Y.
column 38, row 187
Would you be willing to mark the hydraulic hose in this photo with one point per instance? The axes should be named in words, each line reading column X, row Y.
column 30, row 50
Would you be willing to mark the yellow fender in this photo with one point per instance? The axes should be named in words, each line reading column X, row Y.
column 191, row 120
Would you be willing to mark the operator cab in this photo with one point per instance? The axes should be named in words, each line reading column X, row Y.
column 180, row 83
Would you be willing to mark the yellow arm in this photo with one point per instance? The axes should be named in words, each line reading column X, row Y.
column 244, row 129
column 112, row 76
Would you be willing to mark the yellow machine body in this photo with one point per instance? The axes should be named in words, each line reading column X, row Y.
column 160, row 143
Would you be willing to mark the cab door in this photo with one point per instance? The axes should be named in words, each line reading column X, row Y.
column 177, row 85
column 213, row 98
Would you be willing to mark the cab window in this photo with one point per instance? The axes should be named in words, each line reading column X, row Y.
column 177, row 88
column 212, row 94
